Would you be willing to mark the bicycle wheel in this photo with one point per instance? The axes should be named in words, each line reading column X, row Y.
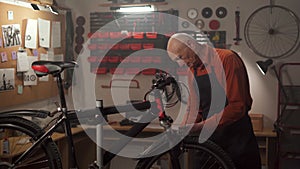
column 208, row 155
column 17, row 136
column 272, row 31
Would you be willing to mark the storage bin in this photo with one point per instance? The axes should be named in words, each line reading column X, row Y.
column 135, row 59
column 138, row 35
column 101, row 70
column 124, row 46
column 102, row 35
column 132, row 71
column 92, row 59
column 151, row 35
column 114, row 46
column 149, row 71
column 146, row 59
column 92, row 46
column 148, row 45
column 113, row 59
column 116, row 70
column 257, row 121
column 136, row 46
column 102, row 46
column 115, row 35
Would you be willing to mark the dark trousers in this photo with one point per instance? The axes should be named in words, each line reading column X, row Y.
column 238, row 141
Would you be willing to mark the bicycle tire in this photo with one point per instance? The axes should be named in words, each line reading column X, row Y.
column 272, row 31
column 211, row 154
column 21, row 134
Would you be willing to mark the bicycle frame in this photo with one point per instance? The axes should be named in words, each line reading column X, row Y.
column 156, row 108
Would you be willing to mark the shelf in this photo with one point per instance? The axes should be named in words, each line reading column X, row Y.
column 132, row 4
column 288, row 115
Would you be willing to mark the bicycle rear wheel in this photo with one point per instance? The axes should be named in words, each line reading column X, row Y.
column 208, row 155
column 17, row 135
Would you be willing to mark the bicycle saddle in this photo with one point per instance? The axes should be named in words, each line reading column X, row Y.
column 43, row 68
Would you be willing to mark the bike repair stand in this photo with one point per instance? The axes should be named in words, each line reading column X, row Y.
column 99, row 140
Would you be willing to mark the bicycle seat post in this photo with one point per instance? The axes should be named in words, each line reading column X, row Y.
column 61, row 92
column 99, row 104
column 72, row 156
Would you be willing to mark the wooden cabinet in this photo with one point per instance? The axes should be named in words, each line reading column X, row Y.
column 85, row 148
column 267, row 145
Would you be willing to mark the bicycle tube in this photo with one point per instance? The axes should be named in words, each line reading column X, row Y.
column 20, row 134
column 23, row 112
column 209, row 155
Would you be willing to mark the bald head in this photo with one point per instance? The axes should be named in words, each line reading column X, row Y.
column 182, row 49
column 179, row 40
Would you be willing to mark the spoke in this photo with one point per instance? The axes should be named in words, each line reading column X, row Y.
column 256, row 28
column 276, row 19
column 261, row 22
column 279, row 25
column 213, row 164
column 206, row 163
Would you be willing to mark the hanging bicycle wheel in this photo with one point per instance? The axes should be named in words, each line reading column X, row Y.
column 272, row 31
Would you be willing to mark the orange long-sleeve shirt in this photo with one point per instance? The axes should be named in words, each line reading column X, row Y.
column 233, row 77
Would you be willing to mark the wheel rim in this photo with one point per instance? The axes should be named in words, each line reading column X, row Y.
column 272, row 31
column 21, row 142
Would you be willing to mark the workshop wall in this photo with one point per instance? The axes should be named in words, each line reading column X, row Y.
column 263, row 88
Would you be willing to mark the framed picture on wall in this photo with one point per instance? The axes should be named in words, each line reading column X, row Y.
column 11, row 35
column 7, row 79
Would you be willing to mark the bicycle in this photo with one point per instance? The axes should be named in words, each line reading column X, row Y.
column 34, row 148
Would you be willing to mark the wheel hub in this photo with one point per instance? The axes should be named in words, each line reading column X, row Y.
column 271, row 31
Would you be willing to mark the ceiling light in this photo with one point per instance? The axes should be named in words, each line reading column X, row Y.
column 35, row 7
column 147, row 8
column 52, row 9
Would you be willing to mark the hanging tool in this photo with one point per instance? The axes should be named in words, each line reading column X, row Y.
column 237, row 26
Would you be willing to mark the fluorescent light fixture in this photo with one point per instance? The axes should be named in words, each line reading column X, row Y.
column 52, row 9
column 147, row 8
column 35, row 7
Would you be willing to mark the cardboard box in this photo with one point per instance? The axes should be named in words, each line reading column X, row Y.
column 257, row 121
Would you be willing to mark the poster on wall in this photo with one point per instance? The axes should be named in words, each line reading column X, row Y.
column 31, row 34
column 44, row 32
column 56, row 34
column 7, row 79
column 30, row 77
column 11, row 35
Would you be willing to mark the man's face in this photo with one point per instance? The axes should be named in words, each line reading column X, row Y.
column 182, row 54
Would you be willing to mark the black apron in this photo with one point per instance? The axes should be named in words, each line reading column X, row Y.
column 237, row 139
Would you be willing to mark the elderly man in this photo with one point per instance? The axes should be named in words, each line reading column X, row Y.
column 218, row 72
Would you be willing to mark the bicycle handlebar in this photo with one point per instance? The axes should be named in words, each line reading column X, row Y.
column 162, row 83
